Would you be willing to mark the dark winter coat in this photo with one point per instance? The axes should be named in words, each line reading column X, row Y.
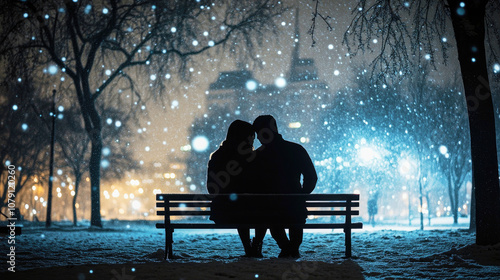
column 231, row 171
column 280, row 166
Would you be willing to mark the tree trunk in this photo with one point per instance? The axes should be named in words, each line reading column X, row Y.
column 421, row 205
column 457, row 201
column 472, row 226
column 94, row 130
column 469, row 29
column 78, row 177
column 429, row 216
column 95, row 177
column 452, row 196
column 93, row 126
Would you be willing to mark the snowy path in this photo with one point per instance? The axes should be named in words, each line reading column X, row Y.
column 216, row 254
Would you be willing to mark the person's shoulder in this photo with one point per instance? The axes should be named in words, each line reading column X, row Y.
column 214, row 154
column 217, row 157
column 294, row 145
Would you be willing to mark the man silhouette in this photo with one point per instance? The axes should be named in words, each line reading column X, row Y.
column 281, row 165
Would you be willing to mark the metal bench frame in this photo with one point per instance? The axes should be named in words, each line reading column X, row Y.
column 187, row 205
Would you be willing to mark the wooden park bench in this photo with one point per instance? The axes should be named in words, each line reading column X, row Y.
column 189, row 205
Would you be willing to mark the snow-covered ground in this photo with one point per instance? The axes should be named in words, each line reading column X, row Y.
column 134, row 250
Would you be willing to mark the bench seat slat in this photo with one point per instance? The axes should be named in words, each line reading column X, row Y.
column 184, row 204
column 308, row 204
column 208, row 197
column 330, row 204
column 233, row 226
column 185, row 213
column 332, row 212
column 207, row 213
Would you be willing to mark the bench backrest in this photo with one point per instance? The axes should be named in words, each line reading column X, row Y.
column 317, row 204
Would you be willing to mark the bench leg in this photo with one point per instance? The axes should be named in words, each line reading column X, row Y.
column 168, row 243
column 347, row 232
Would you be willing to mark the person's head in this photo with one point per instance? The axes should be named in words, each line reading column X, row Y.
column 240, row 131
column 266, row 128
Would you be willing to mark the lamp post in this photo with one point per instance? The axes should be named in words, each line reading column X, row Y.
column 48, row 221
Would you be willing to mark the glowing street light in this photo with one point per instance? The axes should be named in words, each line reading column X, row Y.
column 368, row 154
column 280, row 82
column 200, row 143
column 405, row 167
column 251, row 85
column 134, row 182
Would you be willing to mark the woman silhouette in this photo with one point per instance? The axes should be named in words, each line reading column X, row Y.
column 231, row 170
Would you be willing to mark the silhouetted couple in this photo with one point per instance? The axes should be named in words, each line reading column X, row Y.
column 275, row 167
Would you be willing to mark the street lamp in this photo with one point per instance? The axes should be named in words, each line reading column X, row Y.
column 368, row 154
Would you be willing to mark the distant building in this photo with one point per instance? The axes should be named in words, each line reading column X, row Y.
column 296, row 101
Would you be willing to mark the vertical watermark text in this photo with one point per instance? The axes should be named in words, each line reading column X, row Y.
column 11, row 226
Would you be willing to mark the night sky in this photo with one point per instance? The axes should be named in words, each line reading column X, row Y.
column 187, row 101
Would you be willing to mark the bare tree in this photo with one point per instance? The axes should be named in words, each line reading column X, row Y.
column 421, row 115
column 414, row 28
column 23, row 135
column 73, row 144
column 25, row 145
column 454, row 143
column 80, row 37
